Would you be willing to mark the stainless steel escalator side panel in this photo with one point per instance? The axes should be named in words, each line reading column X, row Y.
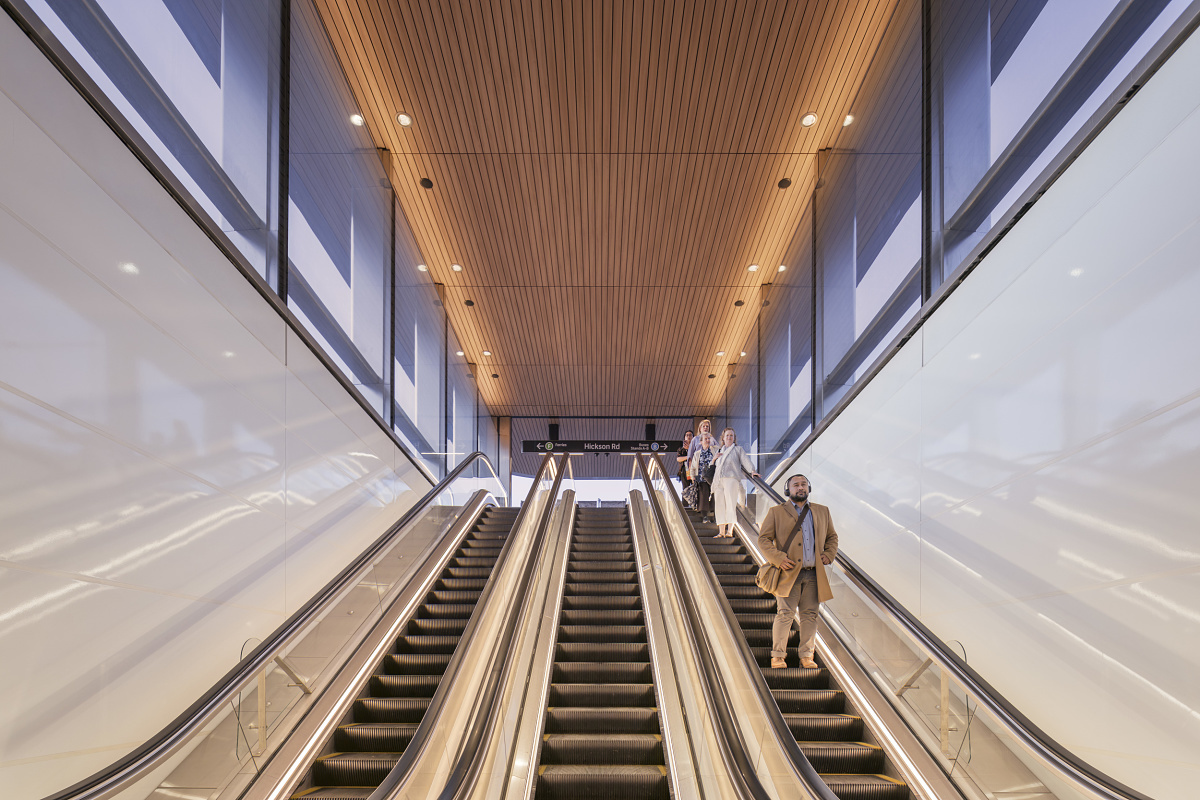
column 290, row 761
column 677, row 736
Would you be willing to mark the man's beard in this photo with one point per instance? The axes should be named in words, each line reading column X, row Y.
column 799, row 497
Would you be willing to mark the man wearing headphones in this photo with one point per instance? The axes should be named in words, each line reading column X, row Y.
column 804, row 584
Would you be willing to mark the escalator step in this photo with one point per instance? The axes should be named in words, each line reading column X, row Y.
column 597, row 748
column 467, row 561
column 416, row 663
column 606, row 589
column 602, row 694
column 438, row 626
column 602, row 672
column 866, row 787
column 609, row 651
column 762, row 637
column 426, row 644
column 390, row 709
column 737, row 578
column 458, row 598
column 582, row 565
column 731, row 558
column 603, row 720
column 748, row 593
column 462, row 584
column 724, row 569
column 446, row 610
column 601, row 617
column 353, row 769
column 583, row 601
column 374, row 737
column 602, row 633
column 749, row 621
column 336, row 793
column 404, row 685
column 843, row 757
column 604, row 576
column 467, row 572
column 809, row 701
column 601, row 538
column 824, row 727
column 797, row 678
column 723, row 549
column 606, row 547
column 601, row 782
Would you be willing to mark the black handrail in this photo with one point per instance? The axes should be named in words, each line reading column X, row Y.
column 176, row 733
column 469, row 751
column 1020, row 726
column 714, row 683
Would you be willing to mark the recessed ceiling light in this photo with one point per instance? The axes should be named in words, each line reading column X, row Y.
column 460, row 353
column 785, row 183
column 720, row 352
column 975, row 356
column 782, row 268
column 743, row 354
column 404, row 119
column 469, row 302
column 229, row 354
column 752, row 268
column 426, row 183
column 487, row 352
column 456, row 267
column 808, row 120
column 129, row 268
column 1075, row 273
column 711, row 376
column 357, row 120
column 422, row 268
column 849, row 120
column 494, row 375
column 739, row 303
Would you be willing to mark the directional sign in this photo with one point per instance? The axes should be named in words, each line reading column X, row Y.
column 579, row 446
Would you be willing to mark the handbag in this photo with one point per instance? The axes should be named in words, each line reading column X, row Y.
column 689, row 495
column 769, row 575
column 710, row 472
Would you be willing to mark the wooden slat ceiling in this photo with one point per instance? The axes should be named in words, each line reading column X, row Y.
column 605, row 172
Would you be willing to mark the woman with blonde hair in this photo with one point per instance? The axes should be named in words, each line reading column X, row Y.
column 727, row 487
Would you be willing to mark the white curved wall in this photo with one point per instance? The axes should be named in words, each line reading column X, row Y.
column 1024, row 473
column 178, row 472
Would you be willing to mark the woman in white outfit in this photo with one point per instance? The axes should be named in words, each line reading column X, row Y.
column 728, row 489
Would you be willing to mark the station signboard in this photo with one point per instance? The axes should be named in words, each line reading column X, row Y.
column 606, row 446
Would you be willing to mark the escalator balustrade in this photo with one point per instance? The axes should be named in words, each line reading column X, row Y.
column 602, row 737
column 826, row 728
column 385, row 719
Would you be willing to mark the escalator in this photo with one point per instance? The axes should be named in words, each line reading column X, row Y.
column 826, row 728
column 602, row 737
column 366, row 747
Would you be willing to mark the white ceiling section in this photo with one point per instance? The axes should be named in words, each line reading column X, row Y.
column 604, row 173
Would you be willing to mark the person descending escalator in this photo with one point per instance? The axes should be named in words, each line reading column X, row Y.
column 798, row 538
column 685, row 478
column 728, row 490
column 703, row 466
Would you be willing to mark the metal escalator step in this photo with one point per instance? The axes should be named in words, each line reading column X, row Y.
column 426, row 644
column 601, row 782
column 762, row 653
column 759, row 605
column 462, row 584
column 416, row 663
column 598, row 748
column 602, row 672
column 390, row 709
column 583, row 719
column 809, row 701
column 446, row 610
column 731, row 558
column 583, row 565
column 601, row 633
column 602, row 588
column 602, row 601
column 824, row 727
column 751, row 621
column 601, row 538
column 606, row 547
column 353, row 769
column 360, row 737
column 762, row 637
column 843, row 757
column 747, row 593
column 606, row 651
column 468, row 572
column 866, row 787
column 723, row 549
column 444, row 597
column 570, row 616
column 602, row 694
column 336, row 793
column 404, row 685
column 437, row 626
column 603, row 555
column 472, row 550
column 723, row 569
column 602, row 576
column 737, row 578
column 467, row 561
column 797, row 678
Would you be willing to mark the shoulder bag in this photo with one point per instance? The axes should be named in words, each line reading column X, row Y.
column 769, row 575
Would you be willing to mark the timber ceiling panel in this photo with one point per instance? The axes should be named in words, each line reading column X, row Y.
column 605, row 172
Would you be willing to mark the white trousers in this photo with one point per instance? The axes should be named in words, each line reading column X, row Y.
column 729, row 492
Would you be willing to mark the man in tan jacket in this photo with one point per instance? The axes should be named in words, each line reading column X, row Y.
column 804, row 584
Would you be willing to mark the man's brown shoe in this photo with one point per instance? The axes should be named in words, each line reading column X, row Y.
column 778, row 663
column 808, row 663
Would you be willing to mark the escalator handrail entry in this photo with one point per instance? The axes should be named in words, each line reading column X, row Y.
column 1020, row 726
column 176, row 733
column 467, row 764
column 714, row 684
